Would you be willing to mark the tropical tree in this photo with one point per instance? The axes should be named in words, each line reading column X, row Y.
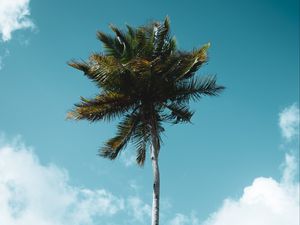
column 144, row 81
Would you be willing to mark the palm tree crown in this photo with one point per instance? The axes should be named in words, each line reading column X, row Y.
column 144, row 80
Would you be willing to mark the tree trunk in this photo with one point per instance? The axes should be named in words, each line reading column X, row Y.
column 156, row 185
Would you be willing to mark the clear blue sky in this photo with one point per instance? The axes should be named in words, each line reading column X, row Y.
column 233, row 139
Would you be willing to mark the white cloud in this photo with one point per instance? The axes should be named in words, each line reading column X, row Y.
column 291, row 170
column 268, row 201
column 32, row 193
column 289, row 122
column 181, row 219
column 14, row 15
column 139, row 210
column 265, row 202
column 37, row 194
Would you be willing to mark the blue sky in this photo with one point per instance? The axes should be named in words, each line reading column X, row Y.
column 233, row 140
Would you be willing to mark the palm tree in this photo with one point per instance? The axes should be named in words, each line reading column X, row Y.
column 144, row 80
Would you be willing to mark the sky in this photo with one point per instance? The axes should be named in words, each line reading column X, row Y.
column 235, row 164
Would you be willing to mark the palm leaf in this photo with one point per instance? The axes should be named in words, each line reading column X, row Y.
column 141, row 138
column 161, row 36
column 104, row 107
column 194, row 89
column 111, row 46
column 125, row 129
column 179, row 113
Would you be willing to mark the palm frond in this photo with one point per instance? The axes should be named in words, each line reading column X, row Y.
column 208, row 86
column 202, row 53
column 169, row 48
column 105, row 70
column 131, row 31
column 145, row 39
column 120, row 35
column 178, row 65
column 83, row 66
column 126, row 41
column 104, row 107
column 113, row 146
column 194, row 89
column 111, row 45
column 141, row 138
column 179, row 113
column 161, row 36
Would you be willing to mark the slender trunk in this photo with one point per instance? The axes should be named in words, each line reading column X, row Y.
column 156, row 185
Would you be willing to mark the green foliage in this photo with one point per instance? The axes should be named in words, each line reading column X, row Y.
column 144, row 80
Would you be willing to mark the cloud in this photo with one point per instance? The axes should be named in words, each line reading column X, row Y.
column 2, row 57
column 265, row 202
column 289, row 122
column 128, row 158
column 268, row 201
column 291, row 169
column 32, row 193
column 139, row 210
column 14, row 15
column 181, row 219
column 1, row 62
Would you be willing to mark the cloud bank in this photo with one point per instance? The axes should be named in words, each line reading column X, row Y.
column 32, row 193
column 14, row 15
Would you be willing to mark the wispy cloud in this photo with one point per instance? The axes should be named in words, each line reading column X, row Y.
column 289, row 122
column 128, row 158
column 14, row 15
column 140, row 211
column 2, row 57
column 181, row 219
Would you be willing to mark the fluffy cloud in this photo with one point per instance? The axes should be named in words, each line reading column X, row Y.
column 289, row 122
column 265, row 202
column 32, row 193
column 14, row 15
column 268, row 201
